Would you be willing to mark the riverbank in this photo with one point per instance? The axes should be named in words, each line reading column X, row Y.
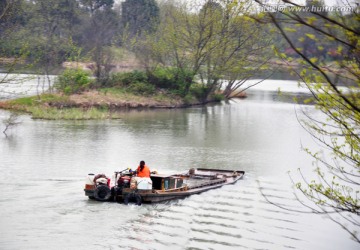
column 94, row 104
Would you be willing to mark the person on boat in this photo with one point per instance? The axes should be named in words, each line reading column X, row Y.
column 143, row 170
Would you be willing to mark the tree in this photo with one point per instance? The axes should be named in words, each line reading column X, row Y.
column 13, row 51
column 99, row 29
column 94, row 5
column 36, row 36
column 337, row 189
column 10, row 15
column 140, row 17
column 48, row 33
column 11, row 20
column 206, row 44
column 49, row 20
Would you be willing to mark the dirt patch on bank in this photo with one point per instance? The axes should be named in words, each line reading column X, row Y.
column 113, row 101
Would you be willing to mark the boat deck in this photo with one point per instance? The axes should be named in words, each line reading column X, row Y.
column 198, row 183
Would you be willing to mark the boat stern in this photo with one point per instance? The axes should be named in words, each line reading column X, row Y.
column 89, row 186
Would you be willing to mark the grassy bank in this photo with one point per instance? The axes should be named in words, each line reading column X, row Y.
column 81, row 97
column 95, row 104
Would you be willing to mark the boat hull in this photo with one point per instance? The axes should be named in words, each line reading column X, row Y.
column 196, row 185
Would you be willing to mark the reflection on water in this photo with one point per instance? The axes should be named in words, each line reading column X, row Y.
column 43, row 165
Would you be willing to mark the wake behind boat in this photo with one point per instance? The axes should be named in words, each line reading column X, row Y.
column 126, row 187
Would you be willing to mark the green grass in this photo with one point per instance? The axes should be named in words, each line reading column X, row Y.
column 72, row 114
column 37, row 100
column 58, row 107
column 25, row 101
column 128, row 96
column 38, row 107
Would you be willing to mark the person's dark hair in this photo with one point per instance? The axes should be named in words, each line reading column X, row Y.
column 142, row 164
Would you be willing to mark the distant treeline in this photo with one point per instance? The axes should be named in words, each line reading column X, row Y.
column 216, row 43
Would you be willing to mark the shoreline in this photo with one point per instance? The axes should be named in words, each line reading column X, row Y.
column 93, row 105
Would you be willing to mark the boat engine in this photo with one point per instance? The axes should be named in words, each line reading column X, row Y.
column 102, row 190
column 124, row 181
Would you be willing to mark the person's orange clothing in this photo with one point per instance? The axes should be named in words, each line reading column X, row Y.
column 143, row 173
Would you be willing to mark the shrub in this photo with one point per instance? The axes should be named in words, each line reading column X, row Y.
column 177, row 80
column 189, row 99
column 73, row 81
column 142, row 88
column 198, row 91
column 218, row 97
column 128, row 78
column 162, row 78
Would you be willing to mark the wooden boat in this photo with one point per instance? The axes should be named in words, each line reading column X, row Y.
column 159, row 187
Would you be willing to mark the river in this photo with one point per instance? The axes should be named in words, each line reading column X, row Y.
column 43, row 165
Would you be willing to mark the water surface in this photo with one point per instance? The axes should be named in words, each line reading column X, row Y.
column 43, row 165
